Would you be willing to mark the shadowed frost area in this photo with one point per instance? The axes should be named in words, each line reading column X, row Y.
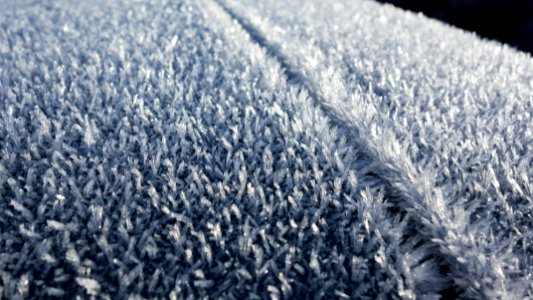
column 244, row 149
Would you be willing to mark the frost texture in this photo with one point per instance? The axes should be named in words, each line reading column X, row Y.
column 244, row 149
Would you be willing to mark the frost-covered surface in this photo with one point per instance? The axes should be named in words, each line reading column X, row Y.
column 245, row 149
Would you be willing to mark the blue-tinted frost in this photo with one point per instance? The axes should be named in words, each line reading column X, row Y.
column 271, row 149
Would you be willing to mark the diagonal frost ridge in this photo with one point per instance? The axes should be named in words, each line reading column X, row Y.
column 441, row 232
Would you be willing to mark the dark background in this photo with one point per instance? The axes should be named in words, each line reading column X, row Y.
column 508, row 21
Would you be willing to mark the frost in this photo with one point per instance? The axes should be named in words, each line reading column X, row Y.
column 91, row 286
column 260, row 149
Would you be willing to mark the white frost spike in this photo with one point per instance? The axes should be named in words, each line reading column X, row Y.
column 91, row 286
column 55, row 225
column 72, row 256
